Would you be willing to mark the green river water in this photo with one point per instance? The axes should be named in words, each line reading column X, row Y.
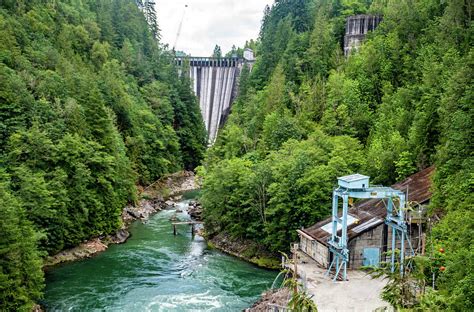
column 156, row 271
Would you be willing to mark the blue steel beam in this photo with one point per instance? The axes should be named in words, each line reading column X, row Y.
column 395, row 219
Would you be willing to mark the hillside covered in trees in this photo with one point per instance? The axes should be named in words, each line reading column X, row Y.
column 306, row 115
column 90, row 107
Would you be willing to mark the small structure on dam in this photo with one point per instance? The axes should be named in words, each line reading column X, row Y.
column 357, row 27
column 215, row 83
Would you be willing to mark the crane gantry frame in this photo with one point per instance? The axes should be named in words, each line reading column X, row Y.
column 395, row 219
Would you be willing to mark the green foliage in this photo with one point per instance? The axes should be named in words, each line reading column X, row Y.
column 188, row 124
column 402, row 103
column 453, row 286
column 299, row 301
column 303, row 173
column 278, row 129
column 403, row 291
column 230, row 185
column 217, row 52
column 279, row 194
column 21, row 277
column 90, row 106
column 404, row 166
column 14, row 103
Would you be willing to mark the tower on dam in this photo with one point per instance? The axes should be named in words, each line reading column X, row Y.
column 215, row 83
column 357, row 27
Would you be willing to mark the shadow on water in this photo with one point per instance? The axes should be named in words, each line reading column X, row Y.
column 157, row 271
column 191, row 194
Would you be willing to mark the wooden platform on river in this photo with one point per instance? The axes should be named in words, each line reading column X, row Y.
column 192, row 223
column 187, row 222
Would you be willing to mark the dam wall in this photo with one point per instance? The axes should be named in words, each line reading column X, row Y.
column 357, row 28
column 215, row 83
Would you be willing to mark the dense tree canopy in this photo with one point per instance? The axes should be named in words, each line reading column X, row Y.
column 307, row 114
column 90, row 106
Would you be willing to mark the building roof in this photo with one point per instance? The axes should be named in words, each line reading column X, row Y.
column 372, row 212
column 353, row 177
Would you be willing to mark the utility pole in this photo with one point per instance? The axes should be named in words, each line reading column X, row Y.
column 295, row 268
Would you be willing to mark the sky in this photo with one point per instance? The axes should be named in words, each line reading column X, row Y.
column 210, row 22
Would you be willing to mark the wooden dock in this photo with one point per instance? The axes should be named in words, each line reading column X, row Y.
column 192, row 223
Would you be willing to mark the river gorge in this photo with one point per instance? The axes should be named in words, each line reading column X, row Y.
column 157, row 271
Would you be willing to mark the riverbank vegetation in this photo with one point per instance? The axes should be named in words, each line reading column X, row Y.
column 306, row 115
column 90, row 106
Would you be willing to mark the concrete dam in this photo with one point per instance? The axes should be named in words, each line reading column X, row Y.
column 357, row 28
column 215, row 83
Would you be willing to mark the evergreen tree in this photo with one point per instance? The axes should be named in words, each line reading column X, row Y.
column 90, row 106
column 21, row 277
column 149, row 8
column 217, row 52
column 403, row 102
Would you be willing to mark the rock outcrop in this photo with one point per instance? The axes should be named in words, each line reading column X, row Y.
column 245, row 249
column 195, row 210
column 144, row 209
column 271, row 301
column 84, row 250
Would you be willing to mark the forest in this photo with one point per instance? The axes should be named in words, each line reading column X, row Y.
column 90, row 108
column 306, row 114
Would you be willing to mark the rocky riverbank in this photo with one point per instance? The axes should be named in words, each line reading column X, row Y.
column 245, row 249
column 160, row 195
column 253, row 253
column 276, row 298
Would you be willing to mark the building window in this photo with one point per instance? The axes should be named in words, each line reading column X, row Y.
column 370, row 234
column 303, row 244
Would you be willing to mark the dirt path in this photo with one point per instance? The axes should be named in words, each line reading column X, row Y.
column 360, row 294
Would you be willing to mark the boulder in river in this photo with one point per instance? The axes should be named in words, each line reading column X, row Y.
column 195, row 210
column 142, row 211
column 170, row 204
column 120, row 237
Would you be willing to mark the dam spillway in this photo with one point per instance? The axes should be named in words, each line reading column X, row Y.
column 357, row 28
column 215, row 83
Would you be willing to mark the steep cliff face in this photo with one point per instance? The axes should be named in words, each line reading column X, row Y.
column 357, row 27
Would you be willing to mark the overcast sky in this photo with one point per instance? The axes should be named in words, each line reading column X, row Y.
column 210, row 22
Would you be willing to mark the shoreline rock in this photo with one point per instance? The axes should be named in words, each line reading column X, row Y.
column 84, row 250
column 195, row 210
column 246, row 250
column 144, row 210
column 271, row 299
column 160, row 195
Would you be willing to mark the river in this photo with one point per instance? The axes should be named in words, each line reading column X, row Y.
column 157, row 271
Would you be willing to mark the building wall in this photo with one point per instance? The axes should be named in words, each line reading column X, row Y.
column 315, row 250
column 372, row 238
column 375, row 239
column 414, row 235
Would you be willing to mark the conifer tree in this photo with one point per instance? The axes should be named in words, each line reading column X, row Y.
column 21, row 277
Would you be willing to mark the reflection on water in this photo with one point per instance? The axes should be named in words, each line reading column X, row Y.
column 157, row 271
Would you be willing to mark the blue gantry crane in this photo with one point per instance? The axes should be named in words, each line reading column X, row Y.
column 357, row 186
